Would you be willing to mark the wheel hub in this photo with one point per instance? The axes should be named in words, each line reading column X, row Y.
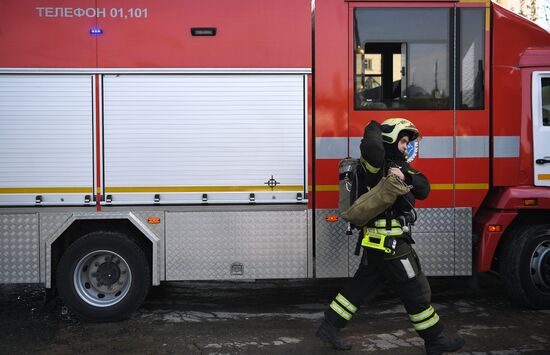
column 540, row 266
column 108, row 273
column 102, row 278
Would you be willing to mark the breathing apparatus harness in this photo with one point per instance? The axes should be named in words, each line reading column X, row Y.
column 382, row 233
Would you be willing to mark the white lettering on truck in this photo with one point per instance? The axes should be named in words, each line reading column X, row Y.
column 70, row 12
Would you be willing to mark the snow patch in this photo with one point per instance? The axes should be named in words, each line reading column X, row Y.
column 539, row 339
column 399, row 333
column 241, row 345
column 216, row 346
column 385, row 341
column 193, row 317
column 472, row 330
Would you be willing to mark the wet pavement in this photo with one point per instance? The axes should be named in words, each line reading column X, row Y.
column 269, row 317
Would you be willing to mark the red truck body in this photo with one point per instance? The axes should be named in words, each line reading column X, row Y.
column 465, row 72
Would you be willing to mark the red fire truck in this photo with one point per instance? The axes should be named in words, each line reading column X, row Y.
column 147, row 141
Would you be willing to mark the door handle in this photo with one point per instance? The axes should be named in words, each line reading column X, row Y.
column 542, row 161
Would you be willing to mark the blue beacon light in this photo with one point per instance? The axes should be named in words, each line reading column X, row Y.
column 96, row 31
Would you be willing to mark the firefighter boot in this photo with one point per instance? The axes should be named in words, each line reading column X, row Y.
column 444, row 344
column 329, row 333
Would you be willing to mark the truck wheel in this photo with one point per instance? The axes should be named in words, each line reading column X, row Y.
column 525, row 266
column 103, row 276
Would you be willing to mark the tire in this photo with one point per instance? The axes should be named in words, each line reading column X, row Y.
column 103, row 276
column 525, row 266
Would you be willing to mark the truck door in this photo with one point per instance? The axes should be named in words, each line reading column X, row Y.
column 426, row 63
column 403, row 69
column 541, row 127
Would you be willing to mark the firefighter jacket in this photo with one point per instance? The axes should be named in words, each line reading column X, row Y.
column 376, row 158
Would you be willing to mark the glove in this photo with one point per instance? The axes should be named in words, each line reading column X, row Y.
column 372, row 147
column 373, row 128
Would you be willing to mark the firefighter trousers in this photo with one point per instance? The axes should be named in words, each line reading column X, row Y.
column 404, row 274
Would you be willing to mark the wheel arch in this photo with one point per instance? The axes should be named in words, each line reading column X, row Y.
column 524, row 218
column 518, row 261
column 78, row 225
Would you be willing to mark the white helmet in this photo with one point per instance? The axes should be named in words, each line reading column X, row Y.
column 393, row 126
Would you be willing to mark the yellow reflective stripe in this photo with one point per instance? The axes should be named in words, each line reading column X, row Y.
column 45, row 190
column 151, row 189
column 369, row 167
column 471, row 186
column 382, row 223
column 327, row 188
column 372, row 232
column 482, row 186
column 427, row 324
column 441, row 187
column 336, row 308
column 382, row 231
column 422, row 315
column 344, row 302
column 438, row 187
column 393, row 231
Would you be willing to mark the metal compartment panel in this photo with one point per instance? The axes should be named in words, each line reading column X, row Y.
column 332, row 246
column 19, row 248
column 236, row 245
column 443, row 243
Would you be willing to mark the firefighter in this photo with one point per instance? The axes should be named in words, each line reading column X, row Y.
column 383, row 151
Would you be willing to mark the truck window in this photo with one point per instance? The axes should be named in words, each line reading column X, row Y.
column 380, row 65
column 545, row 101
column 400, row 62
column 471, row 61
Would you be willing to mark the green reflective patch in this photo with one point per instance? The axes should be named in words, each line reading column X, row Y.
column 344, row 302
column 427, row 324
column 422, row 315
column 341, row 312
column 369, row 167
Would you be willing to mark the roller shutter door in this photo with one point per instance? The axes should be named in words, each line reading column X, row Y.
column 191, row 138
column 46, row 138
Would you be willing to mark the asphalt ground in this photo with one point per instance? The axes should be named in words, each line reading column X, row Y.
column 269, row 317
